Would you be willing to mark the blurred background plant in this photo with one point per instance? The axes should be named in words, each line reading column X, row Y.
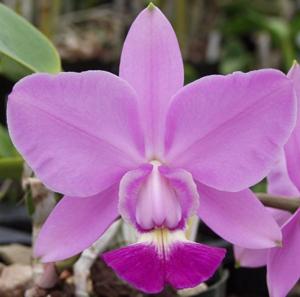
column 216, row 36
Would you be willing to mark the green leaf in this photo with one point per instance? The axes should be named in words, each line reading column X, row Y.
column 23, row 45
column 7, row 149
column 260, row 187
column 12, row 69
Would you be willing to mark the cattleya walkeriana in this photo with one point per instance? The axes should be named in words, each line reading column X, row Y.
column 283, row 263
column 156, row 152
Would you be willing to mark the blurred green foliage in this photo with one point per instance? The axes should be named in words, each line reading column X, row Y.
column 242, row 21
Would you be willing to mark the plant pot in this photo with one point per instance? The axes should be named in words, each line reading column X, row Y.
column 217, row 288
column 15, row 224
column 248, row 282
column 245, row 282
column 9, row 235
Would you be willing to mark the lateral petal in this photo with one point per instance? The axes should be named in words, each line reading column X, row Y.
column 214, row 127
column 79, row 132
column 75, row 224
column 238, row 217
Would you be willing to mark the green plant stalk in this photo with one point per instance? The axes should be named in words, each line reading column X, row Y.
column 48, row 15
column 288, row 54
column 180, row 22
column 18, row 7
column 290, row 204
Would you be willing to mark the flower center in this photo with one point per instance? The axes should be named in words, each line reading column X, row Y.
column 155, row 196
column 157, row 203
column 163, row 240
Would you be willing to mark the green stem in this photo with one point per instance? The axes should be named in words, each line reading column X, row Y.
column 180, row 21
column 290, row 204
column 48, row 14
column 288, row 53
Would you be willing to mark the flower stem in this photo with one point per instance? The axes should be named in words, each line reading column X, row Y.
column 290, row 204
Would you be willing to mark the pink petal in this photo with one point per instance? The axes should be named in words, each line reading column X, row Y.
column 250, row 257
column 280, row 216
column 185, row 188
column 139, row 265
column 152, row 64
column 258, row 257
column 78, row 131
column 292, row 148
column 75, row 224
column 158, row 203
column 190, row 264
column 284, row 263
column 228, row 130
column 279, row 182
column 157, row 196
column 186, row 265
column 238, row 217
column 130, row 186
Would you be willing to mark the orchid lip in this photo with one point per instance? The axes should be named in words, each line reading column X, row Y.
column 157, row 260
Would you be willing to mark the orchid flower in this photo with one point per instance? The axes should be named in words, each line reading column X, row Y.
column 156, row 152
column 283, row 263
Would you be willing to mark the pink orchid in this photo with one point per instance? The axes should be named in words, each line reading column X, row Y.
column 283, row 263
column 145, row 147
